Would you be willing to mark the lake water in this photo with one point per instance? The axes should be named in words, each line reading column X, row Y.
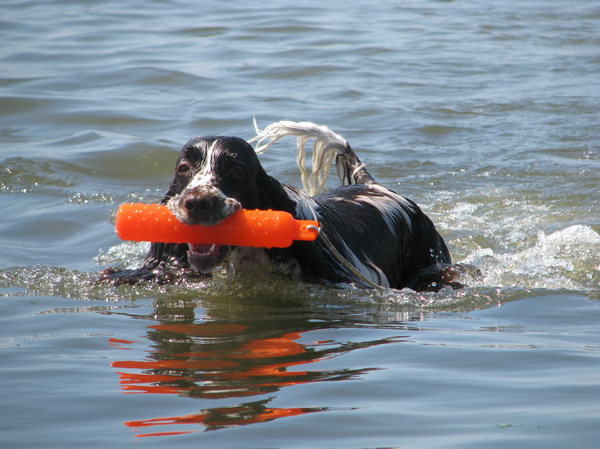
column 485, row 113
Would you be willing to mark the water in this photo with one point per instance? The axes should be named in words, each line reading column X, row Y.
column 485, row 114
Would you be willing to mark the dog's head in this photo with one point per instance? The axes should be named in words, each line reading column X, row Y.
column 214, row 178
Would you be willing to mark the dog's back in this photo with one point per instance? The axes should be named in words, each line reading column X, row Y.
column 370, row 234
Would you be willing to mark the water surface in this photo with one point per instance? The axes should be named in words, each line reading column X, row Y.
column 484, row 114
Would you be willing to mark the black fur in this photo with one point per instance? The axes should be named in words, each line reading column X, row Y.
column 384, row 236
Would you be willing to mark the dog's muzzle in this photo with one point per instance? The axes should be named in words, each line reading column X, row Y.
column 207, row 206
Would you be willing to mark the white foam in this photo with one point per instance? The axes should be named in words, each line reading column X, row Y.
column 565, row 259
column 129, row 255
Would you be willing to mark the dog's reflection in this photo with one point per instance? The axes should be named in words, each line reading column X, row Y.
column 220, row 360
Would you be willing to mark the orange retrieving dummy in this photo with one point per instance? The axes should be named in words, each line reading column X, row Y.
column 258, row 228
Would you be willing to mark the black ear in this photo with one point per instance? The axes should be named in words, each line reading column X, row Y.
column 273, row 195
column 173, row 190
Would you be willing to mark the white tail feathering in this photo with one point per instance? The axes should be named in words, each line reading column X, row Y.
column 325, row 148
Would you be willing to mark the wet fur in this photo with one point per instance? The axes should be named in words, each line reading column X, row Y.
column 385, row 236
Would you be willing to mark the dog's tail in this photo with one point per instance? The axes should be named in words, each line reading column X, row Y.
column 327, row 145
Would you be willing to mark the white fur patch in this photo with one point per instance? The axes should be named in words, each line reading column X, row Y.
column 201, row 179
column 306, row 208
column 369, row 271
column 206, row 176
column 388, row 207
column 325, row 148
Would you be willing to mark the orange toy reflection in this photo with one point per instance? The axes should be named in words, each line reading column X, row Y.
column 217, row 361
column 218, row 418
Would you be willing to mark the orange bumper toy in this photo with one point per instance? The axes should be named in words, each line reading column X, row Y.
column 259, row 228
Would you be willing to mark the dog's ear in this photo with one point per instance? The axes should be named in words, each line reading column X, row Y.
column 173, row 190
column 273, row 195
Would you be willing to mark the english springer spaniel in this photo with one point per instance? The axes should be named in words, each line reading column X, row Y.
column 369, row 236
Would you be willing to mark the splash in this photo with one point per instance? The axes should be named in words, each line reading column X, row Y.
column 565, row 259
column 126, row 254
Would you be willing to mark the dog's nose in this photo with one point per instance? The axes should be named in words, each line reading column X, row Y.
column 198, row 206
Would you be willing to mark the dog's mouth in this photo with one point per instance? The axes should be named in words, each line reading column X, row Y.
column 204, row 258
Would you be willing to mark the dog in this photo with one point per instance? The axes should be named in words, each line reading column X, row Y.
column 369, row 235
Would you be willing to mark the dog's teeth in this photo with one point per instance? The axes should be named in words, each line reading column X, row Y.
column 193, row 249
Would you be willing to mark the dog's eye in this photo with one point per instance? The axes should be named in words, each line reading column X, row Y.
column 237, row 172
column 183, row 168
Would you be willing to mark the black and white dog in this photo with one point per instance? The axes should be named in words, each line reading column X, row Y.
column 369, row 234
